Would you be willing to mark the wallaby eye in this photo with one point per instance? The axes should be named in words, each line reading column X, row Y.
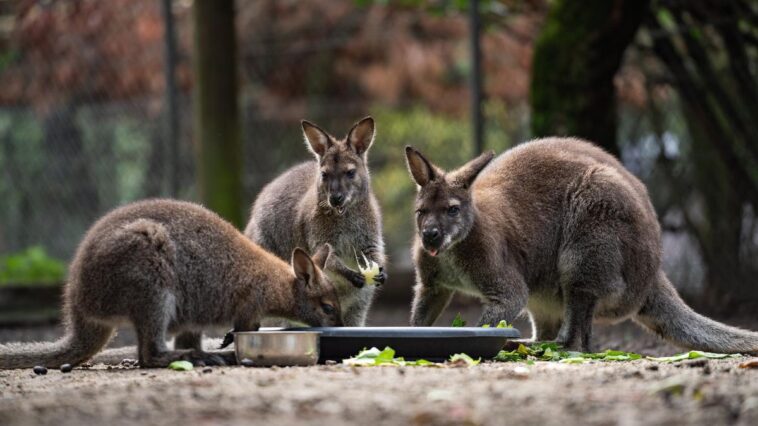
column 420, row 212
column 323, row 175
column 327, row 308
column 453, row 211
column 350, row 173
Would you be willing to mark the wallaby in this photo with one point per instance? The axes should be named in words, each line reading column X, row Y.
column 558, row 227
column 327, row 201
column 166, row 265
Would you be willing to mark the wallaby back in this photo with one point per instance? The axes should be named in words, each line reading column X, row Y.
column 557, row 226
column 165, row 265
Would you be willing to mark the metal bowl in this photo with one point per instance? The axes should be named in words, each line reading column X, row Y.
column 283, row 348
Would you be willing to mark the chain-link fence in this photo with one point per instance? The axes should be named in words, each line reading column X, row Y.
column 85, row 113
column 84, row 117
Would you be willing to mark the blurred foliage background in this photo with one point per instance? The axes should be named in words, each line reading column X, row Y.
column 669, row 86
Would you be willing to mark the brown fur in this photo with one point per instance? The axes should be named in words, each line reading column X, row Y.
column 327, row 201
column 166, row 265
column 556, row 226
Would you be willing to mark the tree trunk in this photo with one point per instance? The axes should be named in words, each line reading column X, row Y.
column 576, row 58
column 217, row 123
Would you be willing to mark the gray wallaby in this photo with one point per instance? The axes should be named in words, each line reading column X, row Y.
column 166, row 265
column 558, row 227
column 327, row 201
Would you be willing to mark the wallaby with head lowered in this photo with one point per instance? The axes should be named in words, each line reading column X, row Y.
column 556, row 227
column 327, row 201
column 165, row 265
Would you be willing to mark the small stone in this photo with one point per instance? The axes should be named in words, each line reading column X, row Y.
column 39, row 370
column 207, row 370
column 330, row 362
column 695, row 363
column 66, row 368
column 247, row 362
column 652, row 367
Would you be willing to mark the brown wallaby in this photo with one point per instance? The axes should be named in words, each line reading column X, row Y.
column 327, row 201
column 169, row 265
column 556, row 226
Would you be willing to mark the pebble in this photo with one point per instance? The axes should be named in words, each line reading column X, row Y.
column 39, row 370
column 66, row 368
column 695, row 363
column 207, row 370
column 247, row 362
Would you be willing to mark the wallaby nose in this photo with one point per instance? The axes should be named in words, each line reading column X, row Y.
column 431, row 235
column 336, row 199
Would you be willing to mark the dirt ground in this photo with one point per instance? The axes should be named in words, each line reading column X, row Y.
column 712, row 392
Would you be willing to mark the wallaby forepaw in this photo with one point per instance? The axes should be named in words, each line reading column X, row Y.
column 357, row 279
column 381, row 277
column 202, row 359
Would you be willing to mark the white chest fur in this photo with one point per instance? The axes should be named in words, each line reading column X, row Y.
column 452, row 276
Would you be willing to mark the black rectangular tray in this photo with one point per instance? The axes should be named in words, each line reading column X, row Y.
column 431, row 343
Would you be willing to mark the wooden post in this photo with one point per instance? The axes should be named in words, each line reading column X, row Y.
column 217, row 118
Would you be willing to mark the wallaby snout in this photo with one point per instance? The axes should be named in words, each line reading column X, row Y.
column 336, row 199
column 432, row 238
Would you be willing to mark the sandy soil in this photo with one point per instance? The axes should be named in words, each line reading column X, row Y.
column 641, row 392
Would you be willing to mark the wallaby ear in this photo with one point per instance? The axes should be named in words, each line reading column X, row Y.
column 466, row 174
column 303, row 266
column 421, row 169
column 318, row 140
column 322, row 254
column 361, row 136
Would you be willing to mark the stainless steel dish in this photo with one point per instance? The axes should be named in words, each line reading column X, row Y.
column 273, row 347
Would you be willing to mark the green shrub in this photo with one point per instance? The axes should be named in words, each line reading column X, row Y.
column 32, row 266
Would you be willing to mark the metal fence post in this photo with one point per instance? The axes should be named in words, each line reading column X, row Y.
column 475, row 81
column 172, row 115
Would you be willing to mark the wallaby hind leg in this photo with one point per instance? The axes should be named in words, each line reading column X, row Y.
column 590, row 269
column 544, row 329
column 189, row 340
column 576, row 331
column 151, row 324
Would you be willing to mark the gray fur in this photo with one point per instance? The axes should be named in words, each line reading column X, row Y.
column 295, row 209
column 165, row 265
column 559, row 227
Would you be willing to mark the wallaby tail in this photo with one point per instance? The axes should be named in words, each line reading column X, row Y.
column 667, row 315
column 83, row 339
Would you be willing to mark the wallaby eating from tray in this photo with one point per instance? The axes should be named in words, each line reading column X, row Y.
column 328, row 200
column 166, row 265
column 558, row 227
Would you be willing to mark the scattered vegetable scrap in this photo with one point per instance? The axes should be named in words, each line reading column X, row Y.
column 693, row 355
column 373, row 357
column 501, row 324
column 463, row 360
column 553, row 352
column 458, row 321
column 181, row 366
column 751, row 363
